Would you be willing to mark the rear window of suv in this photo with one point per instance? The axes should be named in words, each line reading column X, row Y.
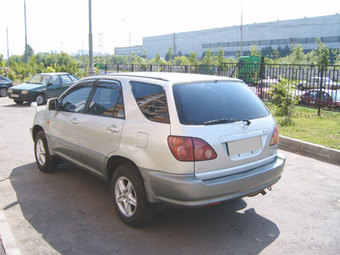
column 201, row 103
column 151, row 100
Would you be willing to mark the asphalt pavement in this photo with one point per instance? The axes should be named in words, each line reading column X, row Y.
column 70, row 211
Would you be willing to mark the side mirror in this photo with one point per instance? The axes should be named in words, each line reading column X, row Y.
column 52, row 104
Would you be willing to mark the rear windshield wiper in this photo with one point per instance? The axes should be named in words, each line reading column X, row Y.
column 221, row 121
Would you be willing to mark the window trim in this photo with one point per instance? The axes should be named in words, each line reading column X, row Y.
column 166, row 98
column 90, row 83
column 95, row 86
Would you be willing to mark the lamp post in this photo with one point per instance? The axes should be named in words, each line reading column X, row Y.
column 91, row 68
column 8, row 64
column 26, row 50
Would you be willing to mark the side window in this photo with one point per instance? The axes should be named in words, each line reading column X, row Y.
column 151, row 100
column 107, row 100
column 75, row 100
column 65, row 79
column 55, row 80
column 313, row 94
column 73, row 78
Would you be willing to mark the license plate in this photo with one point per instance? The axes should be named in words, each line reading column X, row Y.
column 14, row 95
column 245, row 145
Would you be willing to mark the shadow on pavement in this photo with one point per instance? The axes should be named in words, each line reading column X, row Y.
column 72, row 210
column 14, row 105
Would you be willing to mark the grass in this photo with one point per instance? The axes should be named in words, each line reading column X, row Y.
column 309, row 127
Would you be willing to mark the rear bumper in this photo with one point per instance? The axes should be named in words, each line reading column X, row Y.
column 190, row 191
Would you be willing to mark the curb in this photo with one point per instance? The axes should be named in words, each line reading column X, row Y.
column 8, row 240
column 310, row 149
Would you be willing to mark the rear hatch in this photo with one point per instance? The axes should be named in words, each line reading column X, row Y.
column 231, row 119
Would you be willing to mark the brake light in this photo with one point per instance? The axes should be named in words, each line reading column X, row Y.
column 190, row 149
column 275, row 137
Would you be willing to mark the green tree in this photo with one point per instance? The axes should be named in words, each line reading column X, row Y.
column 283, row 101
column 337, row 57
column 254, row 51
column 208, row 58
column 181, row 61
column 157, row 60
column 169, row 56
column 29, row 51
column 193, row 59
column 220, row 59
column 322, row 53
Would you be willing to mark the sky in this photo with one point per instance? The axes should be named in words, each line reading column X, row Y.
column 62, row 25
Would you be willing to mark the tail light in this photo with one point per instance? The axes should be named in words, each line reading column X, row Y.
column 190, row 149
column 275, row 137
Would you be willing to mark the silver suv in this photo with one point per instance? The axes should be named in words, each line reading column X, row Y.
column 162, row 138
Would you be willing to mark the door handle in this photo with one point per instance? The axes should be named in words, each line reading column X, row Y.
column 113, row 129
column 74, row 121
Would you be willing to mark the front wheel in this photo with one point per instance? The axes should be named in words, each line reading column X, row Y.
column 40, row 99
column 43, row 158
column 129, row 196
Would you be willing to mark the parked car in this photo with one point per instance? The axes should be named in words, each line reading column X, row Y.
column 5, row 83
column 162, row 138
column 269, row 81
column 42, row 86
column 331, row 99
column 315, row 82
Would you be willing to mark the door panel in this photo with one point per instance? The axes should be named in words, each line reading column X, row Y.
column 65, row 124
column 101, row 127
column 64, row 136
column 98, row 137
column 55, row 89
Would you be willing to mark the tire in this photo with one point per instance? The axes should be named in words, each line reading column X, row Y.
column 300, row 87
column 40, row 99
column 43, row 158
column 18, row 101
column 3, row 92
column 129, row 196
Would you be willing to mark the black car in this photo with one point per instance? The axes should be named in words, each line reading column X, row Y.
column 5, row 83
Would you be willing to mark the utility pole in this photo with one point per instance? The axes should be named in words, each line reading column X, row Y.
column 174, row 41
column 8, row 64
column 241, row 43
column 91, row 68
column 26, row 49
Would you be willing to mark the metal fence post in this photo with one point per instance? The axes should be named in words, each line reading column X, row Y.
column 320, row 91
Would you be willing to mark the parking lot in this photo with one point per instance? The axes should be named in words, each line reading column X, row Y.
column 70, row 211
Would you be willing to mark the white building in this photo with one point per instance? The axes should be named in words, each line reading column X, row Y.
column 270, row 34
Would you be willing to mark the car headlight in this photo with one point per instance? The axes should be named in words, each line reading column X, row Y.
column 24, row 92
column 9, row 91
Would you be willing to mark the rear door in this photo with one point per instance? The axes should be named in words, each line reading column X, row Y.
column 66, row 82
column 101, row 126
column 231, row 119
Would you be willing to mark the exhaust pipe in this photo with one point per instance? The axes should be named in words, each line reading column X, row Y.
column 263, row 192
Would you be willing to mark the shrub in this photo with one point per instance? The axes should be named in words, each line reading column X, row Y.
column 283, row 101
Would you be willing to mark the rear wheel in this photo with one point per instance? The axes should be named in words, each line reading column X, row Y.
column 129, row 196
column 43, row 158
column 3, row 92
column 40, row 99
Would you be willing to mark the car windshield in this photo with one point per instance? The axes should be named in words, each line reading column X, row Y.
column 40, row 79
column 209, row 103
